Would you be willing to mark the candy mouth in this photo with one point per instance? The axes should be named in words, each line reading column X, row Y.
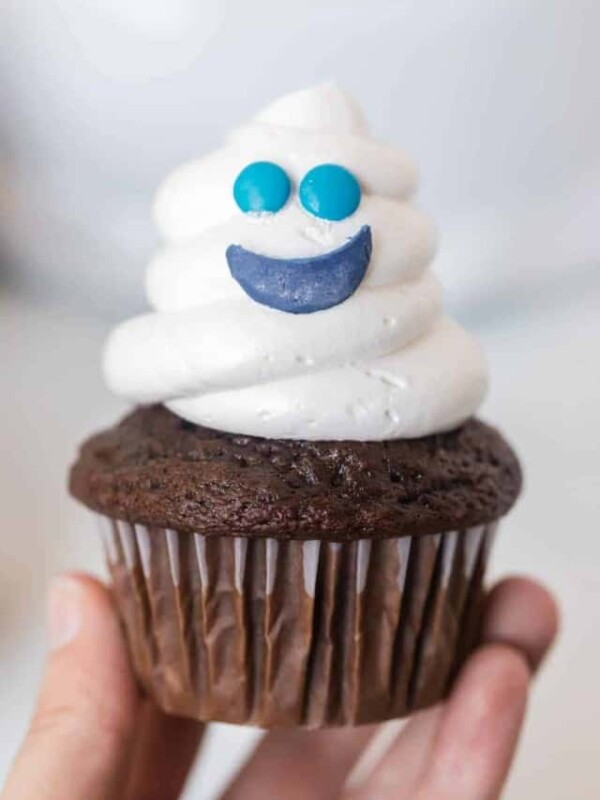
column 303, row 285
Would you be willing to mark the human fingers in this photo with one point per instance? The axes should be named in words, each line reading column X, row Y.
column 463, row 749
column 523, row 614
column 298, row 764
column 81, row 736
column 164, row 753
column 520, row 613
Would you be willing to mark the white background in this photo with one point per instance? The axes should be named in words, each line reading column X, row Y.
column 498, row 103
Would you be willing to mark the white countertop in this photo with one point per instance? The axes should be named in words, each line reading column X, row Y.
column 546, row 395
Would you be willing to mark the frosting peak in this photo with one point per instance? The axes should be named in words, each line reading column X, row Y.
column 321, row 108
column 317, row 320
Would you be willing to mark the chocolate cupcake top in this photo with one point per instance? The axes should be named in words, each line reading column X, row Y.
column 157, row 469
column 293, row 298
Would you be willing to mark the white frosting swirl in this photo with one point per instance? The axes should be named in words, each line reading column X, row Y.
column 383, row 364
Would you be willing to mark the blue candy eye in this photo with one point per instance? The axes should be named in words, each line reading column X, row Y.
column 330, row 192
column 261, row 187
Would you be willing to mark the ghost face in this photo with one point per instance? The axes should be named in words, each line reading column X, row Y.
column 301, row 285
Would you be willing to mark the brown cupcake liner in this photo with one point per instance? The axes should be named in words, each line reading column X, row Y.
column 296, row 633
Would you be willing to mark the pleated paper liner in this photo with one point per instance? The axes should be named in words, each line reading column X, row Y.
column 296, row 633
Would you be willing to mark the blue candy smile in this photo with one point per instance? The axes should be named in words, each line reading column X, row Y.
column 303, row 285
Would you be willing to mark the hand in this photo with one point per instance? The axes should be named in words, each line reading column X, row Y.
column 93, row 738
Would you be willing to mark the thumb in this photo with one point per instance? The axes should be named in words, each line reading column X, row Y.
column 80, row 739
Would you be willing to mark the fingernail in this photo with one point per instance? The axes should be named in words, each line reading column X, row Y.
column 64, row 612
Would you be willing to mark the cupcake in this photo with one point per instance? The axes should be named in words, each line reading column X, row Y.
column 298, row 513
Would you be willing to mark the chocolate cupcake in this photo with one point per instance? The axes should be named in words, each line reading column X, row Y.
column 297, row 516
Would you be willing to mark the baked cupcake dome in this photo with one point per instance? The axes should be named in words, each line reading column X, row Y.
column 162, row 471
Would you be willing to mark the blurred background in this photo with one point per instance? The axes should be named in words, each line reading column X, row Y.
column 499, row 105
